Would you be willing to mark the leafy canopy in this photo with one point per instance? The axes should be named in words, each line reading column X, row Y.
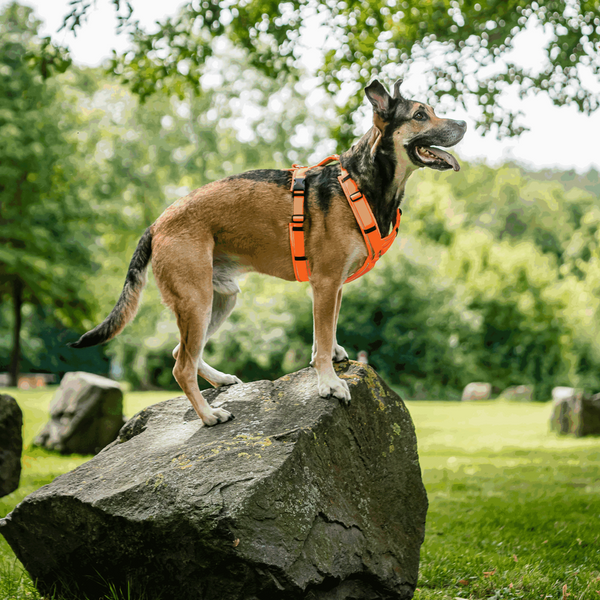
column 466, row 46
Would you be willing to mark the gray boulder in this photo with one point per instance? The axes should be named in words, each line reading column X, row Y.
column 299, row 497
column 477, row 391
column 11, row 444
column 561, row 392
column 518, row 393
column 86, row 415
column 578, row 414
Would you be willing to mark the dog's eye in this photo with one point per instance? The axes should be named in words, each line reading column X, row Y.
column 419, row 116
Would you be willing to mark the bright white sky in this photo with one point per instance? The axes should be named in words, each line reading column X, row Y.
column 558, row 137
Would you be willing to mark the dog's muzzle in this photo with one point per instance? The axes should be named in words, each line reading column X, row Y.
column 422, row 150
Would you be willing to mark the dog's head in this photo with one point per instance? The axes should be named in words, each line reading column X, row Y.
column 411, row 129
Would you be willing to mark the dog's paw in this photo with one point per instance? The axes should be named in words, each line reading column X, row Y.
column 216, row 378
column 336, row 387
column 228, row 380
column 217, row 415
column 339, row 354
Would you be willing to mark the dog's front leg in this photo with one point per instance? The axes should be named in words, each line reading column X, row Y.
column 326, row 301
column 338, row 353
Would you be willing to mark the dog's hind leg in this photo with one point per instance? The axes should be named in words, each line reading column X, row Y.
column 185, row 281
column 222, row 305
column 192, row 325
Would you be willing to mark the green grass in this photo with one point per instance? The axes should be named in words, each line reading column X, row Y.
column 514, row 509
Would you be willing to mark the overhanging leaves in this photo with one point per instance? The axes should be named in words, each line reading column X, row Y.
column 466, row 44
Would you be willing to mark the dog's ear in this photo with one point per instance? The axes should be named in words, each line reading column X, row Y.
column 379, row 98
column 382, row 107
column 397, row 94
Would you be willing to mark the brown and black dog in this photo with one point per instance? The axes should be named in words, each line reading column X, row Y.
column 203, row 242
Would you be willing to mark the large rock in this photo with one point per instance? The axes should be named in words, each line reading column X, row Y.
column 86, row 415
column 518, row 393
column 11, row 444
column 561, row 393
column 578, row 414
column 299, row 497
column 477, row 391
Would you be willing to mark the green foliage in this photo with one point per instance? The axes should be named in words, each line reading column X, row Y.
column 463, row 296
column 495, row 277
column 462, row 42
column 44, row 253
column 409, row 322
column 41, row 211
column 44, row 345
column 520, row 250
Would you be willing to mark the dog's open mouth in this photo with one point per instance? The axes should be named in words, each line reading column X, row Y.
column 434, row 158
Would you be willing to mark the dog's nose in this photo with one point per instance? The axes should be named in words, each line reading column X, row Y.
column 462, row 125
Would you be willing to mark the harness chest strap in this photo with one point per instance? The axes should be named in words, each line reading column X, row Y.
column 375, row 244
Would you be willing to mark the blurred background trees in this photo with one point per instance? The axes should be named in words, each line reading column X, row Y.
column 495, row 277
column 44, row 251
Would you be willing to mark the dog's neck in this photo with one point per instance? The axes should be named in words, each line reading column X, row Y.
column 381, row 173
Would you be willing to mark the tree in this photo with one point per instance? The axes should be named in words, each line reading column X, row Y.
column 43, row 251
column 466, row 44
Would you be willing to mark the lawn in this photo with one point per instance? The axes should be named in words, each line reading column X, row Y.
column 514, row 509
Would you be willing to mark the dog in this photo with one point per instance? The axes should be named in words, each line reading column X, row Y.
column 205, row 241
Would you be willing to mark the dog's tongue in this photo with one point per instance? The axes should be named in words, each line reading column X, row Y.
column 445, row 156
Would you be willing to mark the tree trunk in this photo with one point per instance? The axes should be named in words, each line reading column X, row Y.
column 15, row 358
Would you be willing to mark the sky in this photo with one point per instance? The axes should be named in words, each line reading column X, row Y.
column 558, row 137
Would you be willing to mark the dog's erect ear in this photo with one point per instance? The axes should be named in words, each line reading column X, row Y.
column 379, row 98
column 397, row 94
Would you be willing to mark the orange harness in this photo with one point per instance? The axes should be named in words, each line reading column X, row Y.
column 376, row 245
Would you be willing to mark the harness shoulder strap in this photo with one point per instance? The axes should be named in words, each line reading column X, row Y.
column 376, row 245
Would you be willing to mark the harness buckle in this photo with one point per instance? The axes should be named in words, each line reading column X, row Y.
column 298, row 185
column 297, row 218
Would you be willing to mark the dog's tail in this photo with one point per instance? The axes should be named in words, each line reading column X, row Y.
column 127, row 304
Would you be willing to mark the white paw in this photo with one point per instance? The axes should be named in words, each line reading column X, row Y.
column 216, row 415
column 228, row 380
column 339, row 354
column 334, row 386
column 216, row 378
